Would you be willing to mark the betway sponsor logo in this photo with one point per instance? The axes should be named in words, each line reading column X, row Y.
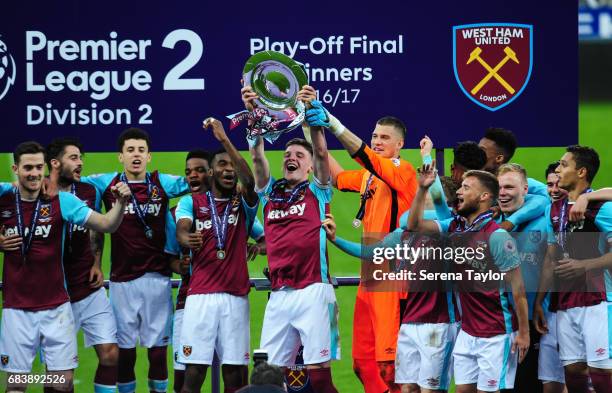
column 202, row 225
column 153, row 209
column 41, row 231
column 298, row 210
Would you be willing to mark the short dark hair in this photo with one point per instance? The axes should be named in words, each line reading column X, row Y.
column 199, row 153
column 585, row 157
column 394, row 122
column 267, row 374
column 301, row 142
column 215, row 154
column 551, row 168
column 469, row 155
column 487, row 179
column 29, row 147
column 133, row 133
column 504, row 139
column 55, row 149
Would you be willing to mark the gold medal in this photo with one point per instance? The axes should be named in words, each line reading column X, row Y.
column 356, row 223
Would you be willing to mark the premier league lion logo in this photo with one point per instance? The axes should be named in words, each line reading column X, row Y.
column 7, row 70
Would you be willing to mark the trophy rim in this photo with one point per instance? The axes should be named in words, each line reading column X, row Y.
column 295, row 68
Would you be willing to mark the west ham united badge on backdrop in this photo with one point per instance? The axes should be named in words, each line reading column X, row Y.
column 493, row 61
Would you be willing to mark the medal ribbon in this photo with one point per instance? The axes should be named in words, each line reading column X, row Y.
column 71, row 225
column 364, row 197
column 139, row 211
column 563, row 221
column 27, row 242
column 219, row 224
column 279, row 188
column 482, row 217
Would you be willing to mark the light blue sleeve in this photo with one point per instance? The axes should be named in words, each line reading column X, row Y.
column 534, row 207
column 323, row 193
column 5, row 188
column 251, row 213
column 98, row 201
column 351, row 248
column 550, row 232
column 603, row 221
column 266, row 190
column 184, row 209
column 536, row 188
column 257, row 230
column 503, row 249
column 171, row 246
column 437, row 195
column 100, row 181
column 427, row 215
column 359, row 250
column 444, row 224
column 173, row 185
column 73, row 209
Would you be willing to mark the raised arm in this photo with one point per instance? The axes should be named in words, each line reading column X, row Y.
column 256, row 148
column 319, row 145
column 109, row 222
column 436, row 191
column 416, row 223
column 243, row 171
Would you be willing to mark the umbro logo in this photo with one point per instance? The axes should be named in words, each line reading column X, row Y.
column 324, row 352
column 6, row 213
column 492, row 382
column 204, row 210
column 600, row 351
column 389, row 351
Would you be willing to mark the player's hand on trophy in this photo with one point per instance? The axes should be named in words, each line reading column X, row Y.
column 248, row 97
column 539, row 319
column 329, row 225
column 307, row 94
column 427, row 174
column 578, row 209
column 521, row 343
column 217, row 128
column 426, row 146
column 9, row 243
column 121, row 192
column 96, row 277
column 317, row 115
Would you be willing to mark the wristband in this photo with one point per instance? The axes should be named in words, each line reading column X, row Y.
column 335, row 126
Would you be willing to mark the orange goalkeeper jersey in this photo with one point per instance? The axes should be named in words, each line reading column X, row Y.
column 393, row 188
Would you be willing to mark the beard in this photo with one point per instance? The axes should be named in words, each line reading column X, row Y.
column 66, row 176
column 466, row 210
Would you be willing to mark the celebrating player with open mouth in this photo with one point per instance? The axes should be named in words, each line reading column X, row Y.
column 36, row 309
column 302, row 306
column 482, row 357
column 216, row 316
column 140, row 286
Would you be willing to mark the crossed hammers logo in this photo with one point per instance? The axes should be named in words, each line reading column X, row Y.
column 297, row 380
column 493, row 72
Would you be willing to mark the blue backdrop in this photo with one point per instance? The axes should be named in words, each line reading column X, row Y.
column 184, row 63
